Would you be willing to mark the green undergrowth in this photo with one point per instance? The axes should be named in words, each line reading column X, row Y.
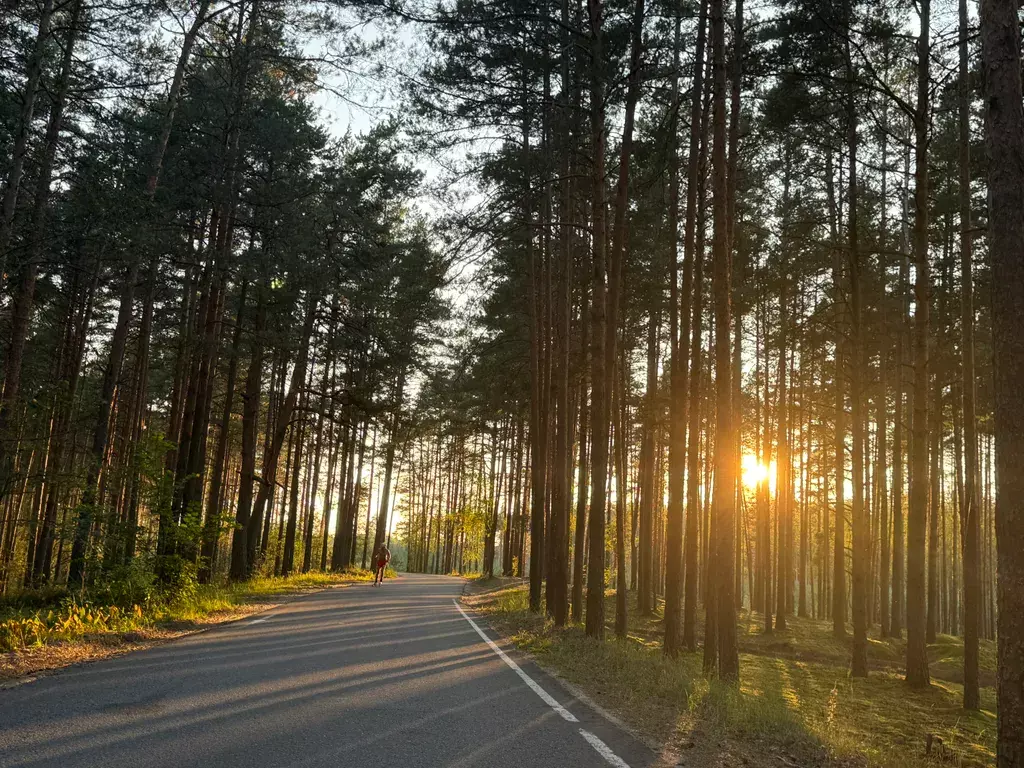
column 795, row 697
column 34, row 618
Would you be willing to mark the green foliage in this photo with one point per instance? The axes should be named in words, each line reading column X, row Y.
column 70, row 622
column 178, row 579
column 132, row 585
column 27, row 600
column 134, row 600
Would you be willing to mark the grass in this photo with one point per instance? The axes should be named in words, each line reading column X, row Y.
column 36, row 619
column 269, row 586
column 796, row 703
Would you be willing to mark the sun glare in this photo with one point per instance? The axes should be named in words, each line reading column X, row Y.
column 755, row 472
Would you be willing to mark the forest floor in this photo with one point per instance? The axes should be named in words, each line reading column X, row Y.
column 796, row 704
column 43, row 633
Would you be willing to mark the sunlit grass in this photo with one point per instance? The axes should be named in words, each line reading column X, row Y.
column 276, row 585
column 66, row 618
column 795, row 689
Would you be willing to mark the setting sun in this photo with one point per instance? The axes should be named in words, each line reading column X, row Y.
column 755, row 472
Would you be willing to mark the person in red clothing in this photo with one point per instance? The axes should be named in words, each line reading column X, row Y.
column 381, row 558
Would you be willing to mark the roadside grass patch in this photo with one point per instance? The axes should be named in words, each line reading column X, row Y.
column 68, row 623
column 796, row 699
column 261, row 586
column 34, row 619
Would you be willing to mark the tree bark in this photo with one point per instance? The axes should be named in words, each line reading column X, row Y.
column 695, row 509
column 839, row 527
column 684, row 411
column 299, row 434
column 725, row 428
column 860, row 524
column 917, row 522
column 619, row 244
column 247, row 527
column 969, row 509
column 561, row 480
column 1004, row 138
column 389, row 464
column 598, row 361
column 902, row 295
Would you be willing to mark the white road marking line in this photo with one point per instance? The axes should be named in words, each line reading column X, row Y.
column 256, row 621
column 547, row 697
column 602, row 749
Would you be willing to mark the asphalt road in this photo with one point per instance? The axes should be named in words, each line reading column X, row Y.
column 361, row 676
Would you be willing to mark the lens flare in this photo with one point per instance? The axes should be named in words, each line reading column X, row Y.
column 755, row 473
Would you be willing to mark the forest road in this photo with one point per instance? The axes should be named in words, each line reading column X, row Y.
column 360, row 676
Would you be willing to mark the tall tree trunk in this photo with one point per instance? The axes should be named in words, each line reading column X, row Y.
column 321, row 427
column 645, row 565
column 389, row 463
column 538, row 417
column 599, row 373
column 561, row 476
column 352, row 515
column 934, row 620
column 860, row 523
column 738, row 267
column 369, row 502
column 764, row 496
column 1004, row 138
column 680, row 565
column 969, row 509
column 621, row 481
column 725, row 428
column 247, row 526
column 783, row 485
column 695, row 530
column 333, row 452
column 839, row 528
column 299, row 437
column 618, row 257
column 902, row 295
column 882, row 457
column 917, row 522
column 583, row 486
column 645, row 570
column 171, row 102
column 885, row 552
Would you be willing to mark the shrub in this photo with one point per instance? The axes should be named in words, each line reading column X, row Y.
column 129, row 585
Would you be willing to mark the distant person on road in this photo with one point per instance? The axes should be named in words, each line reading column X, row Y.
column 382, row 558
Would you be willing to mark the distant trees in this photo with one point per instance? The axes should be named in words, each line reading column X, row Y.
column 176, row 241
